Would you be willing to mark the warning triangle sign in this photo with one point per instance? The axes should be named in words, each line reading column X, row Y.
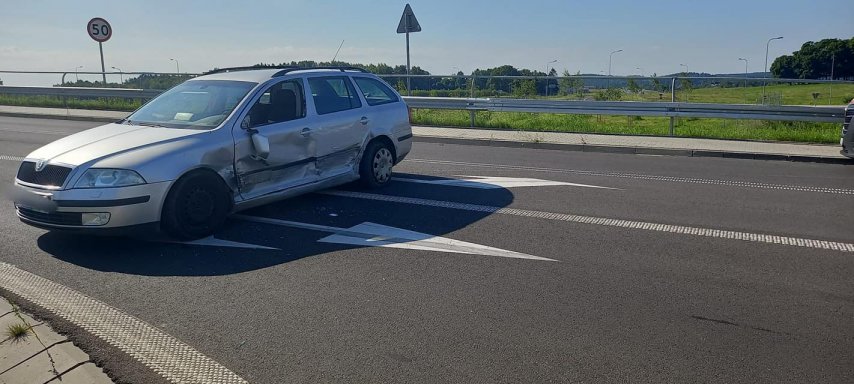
column 408, row 22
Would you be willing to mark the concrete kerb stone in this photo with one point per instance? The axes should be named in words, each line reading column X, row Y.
column 631, row 150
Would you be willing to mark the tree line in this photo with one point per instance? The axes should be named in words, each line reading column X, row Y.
column 816, row 60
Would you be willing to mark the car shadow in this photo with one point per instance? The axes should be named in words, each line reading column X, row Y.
column 323, row 212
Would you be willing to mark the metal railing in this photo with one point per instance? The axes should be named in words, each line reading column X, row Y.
column 672, row 110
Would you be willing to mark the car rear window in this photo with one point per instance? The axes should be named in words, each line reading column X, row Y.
column 375, row 91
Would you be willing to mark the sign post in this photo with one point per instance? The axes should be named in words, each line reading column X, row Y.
column 408, row 23
column 100, row 31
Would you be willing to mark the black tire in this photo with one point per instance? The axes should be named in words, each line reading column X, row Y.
column 376, row 166
column 196, row 206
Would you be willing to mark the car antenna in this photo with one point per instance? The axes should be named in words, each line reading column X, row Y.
column 336, row 52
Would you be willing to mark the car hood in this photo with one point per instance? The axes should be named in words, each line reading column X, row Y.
column 104, row 141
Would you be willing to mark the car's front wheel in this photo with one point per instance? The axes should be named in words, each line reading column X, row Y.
column 196, row 206
column 377, row 161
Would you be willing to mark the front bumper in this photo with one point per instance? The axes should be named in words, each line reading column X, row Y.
column 69, row 209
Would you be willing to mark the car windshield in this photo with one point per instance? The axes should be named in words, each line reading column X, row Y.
column 198, row 104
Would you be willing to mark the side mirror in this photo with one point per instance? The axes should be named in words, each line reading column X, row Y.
column 246, row 123
column 261, row 144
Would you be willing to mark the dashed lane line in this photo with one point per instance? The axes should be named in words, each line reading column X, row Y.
column 672, row 179
column 164, row 354
column 642, row 225
column 11, row 158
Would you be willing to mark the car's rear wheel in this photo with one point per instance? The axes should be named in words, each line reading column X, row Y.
column 376, row 167
column 196, row 206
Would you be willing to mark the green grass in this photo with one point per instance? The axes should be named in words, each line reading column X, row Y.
column 658, row 126
column 798, row 94
column 17, row 332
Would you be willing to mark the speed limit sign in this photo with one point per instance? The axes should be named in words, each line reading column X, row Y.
column 99, row 29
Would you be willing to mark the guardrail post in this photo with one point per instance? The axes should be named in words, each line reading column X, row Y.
column 472, row 112
column 672, row 120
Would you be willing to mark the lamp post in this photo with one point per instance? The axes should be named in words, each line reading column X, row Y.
column 177, row 68
column 610, row 57
column 745, row 70
column 767, row 45
column 547, row 75
column 76, row 79
column 832, row 64
column 640, row 71
column 686, row 68
column 121, row 77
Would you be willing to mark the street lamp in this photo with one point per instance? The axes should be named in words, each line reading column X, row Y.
column 767, row 45
column 745, row 70
column 177, row 68
column 547, row 74
column 640, row 71
column 611, row 56
column 686, row 68
column 121, row 77
column 76, row 79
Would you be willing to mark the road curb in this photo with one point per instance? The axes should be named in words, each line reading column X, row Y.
column 60, row 117
column 633, row 150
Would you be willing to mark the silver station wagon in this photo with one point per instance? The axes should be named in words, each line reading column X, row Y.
column 226, row 141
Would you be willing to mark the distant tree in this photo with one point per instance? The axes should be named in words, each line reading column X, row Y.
column 814, row 61
column 633, row 86
column 610, row 94
column 524, row 88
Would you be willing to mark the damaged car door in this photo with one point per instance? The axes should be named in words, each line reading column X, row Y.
column 274, row 143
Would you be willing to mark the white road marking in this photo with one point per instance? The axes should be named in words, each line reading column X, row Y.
column 695, row 231
column 672, row 179
column 488, row 182
column 11, row 158
column 377, row 235
column 169, row 357
column 211, row 241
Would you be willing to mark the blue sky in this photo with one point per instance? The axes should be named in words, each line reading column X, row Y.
column 656, row 36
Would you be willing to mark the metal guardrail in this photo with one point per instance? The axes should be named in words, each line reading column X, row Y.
column 824, row 114
column 81, row 92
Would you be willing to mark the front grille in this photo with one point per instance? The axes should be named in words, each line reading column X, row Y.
column 849, row 113
column 58, row 218
column 50, row 176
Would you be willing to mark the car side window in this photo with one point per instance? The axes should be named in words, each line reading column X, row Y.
column 281, row 102
column 333, row 94
column 375, row 91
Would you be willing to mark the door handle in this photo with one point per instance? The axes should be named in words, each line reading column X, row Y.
column 305, row 132
column 364, row 120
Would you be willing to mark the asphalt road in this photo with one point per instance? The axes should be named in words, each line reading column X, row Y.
column 620, row 303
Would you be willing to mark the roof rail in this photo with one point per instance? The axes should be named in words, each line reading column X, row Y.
column 293, row 69
column 236, row 69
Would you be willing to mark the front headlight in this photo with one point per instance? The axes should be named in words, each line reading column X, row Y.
column 105, row 178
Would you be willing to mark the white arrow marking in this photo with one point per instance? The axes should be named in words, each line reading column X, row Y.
column 484, row 182
column 376, row 235
column 211, row 241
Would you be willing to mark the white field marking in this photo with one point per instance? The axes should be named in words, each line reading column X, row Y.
column 11, row 158
column 376, row 235
column 672, row 179
column 211, row 241
column 169, row 357
column 695, row 231
column 487, row 182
